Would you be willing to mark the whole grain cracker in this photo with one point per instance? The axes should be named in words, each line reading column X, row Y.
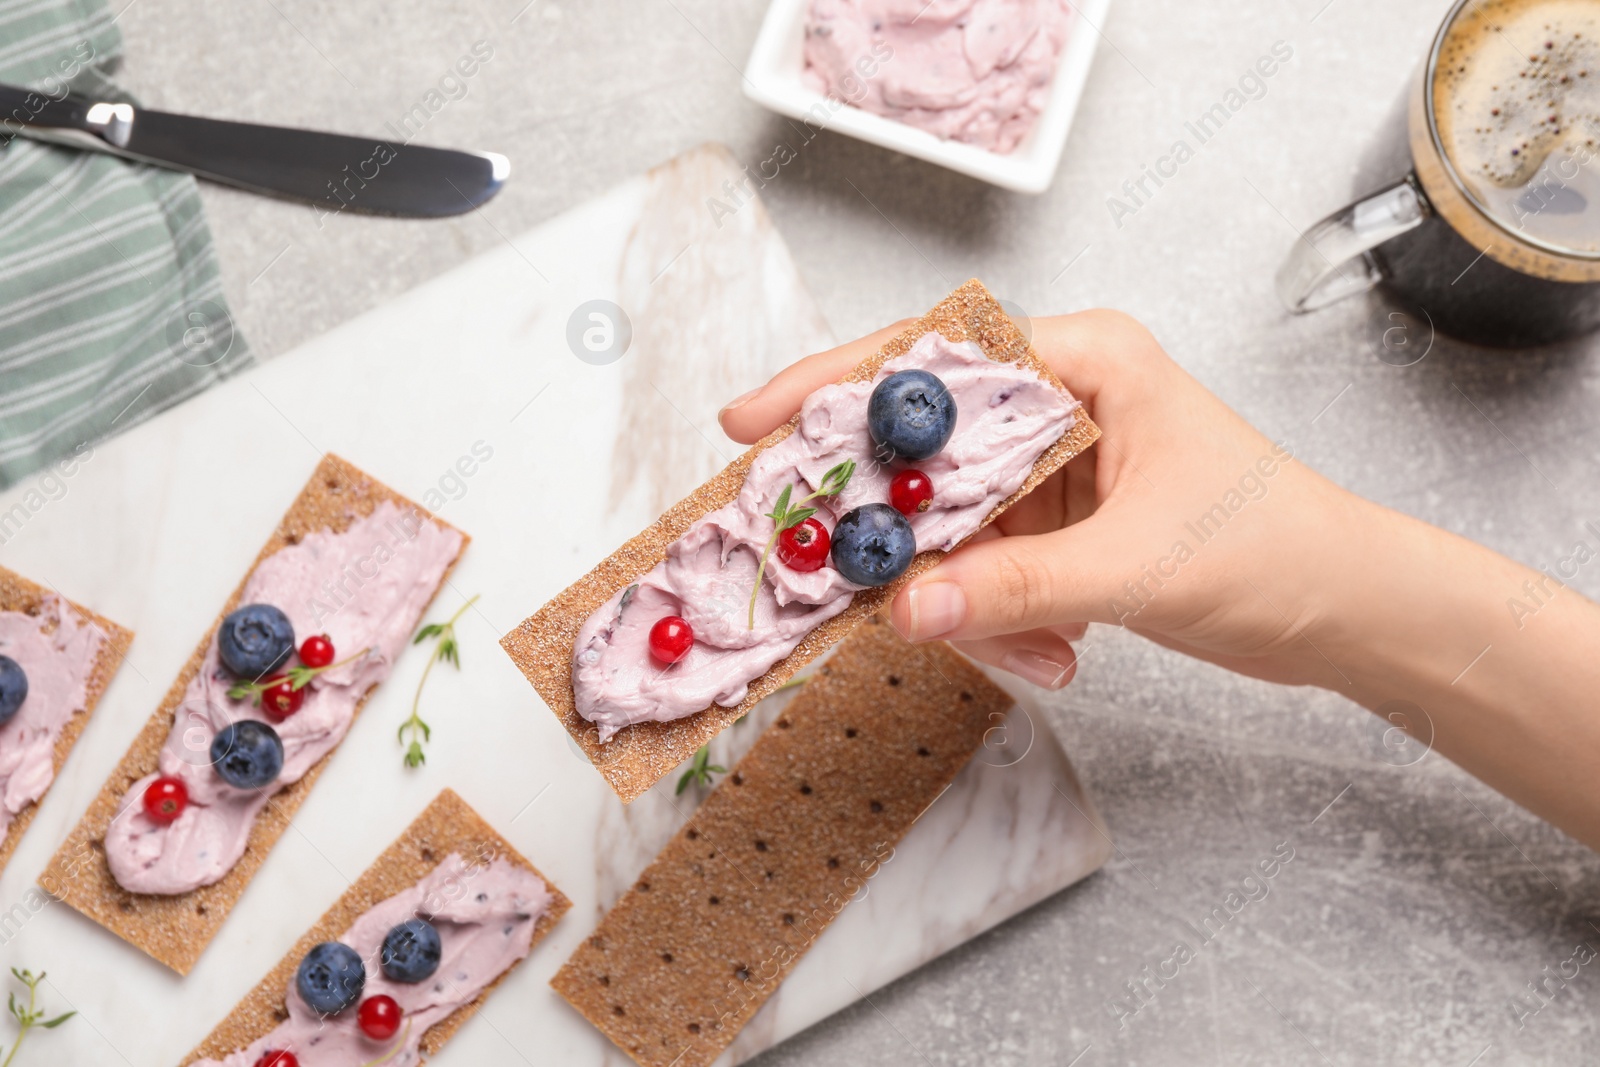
column 176, row 929
column 446, row 825
column 639, row 755
column 19, row 594
column 712, row 927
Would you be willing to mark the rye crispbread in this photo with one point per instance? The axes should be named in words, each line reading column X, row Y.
column 19, row 594
column 712, row 927
column 639, row 755
column 446, row 825
column 176, row 929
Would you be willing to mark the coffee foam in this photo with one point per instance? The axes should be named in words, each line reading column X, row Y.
column 1517, row 103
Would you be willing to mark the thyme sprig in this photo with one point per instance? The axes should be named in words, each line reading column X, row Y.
column 448, row 651
column 28, row 1016
column 785, row 515
column 700, row 770
column 298, row 677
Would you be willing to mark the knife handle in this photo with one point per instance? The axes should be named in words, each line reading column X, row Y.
column 28, row 109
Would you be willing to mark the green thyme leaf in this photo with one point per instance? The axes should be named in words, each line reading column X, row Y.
column 781, row 508
column 796, row 517
column 837, row 478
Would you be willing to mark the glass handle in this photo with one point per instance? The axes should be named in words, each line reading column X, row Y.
column 1334, row 260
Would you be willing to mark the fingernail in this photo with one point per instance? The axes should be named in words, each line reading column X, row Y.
column 739, row 401
column 936, row 608
column 1033, row 667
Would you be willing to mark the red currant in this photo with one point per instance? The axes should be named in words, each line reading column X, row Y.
column 278, row 1058
column 379, row 1017
column 164, row 799
column 670, row 639
column 804, row 547
column 281, row 699
column 316, row 651
column 911, row 492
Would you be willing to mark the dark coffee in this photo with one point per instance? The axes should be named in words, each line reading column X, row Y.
column 1516, row 100
column 1494, row 234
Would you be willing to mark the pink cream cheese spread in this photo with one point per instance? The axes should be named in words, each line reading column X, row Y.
column 57, row 651
column 1006, row 415
column 366, row 588
column 485, row 915
column 977, row 71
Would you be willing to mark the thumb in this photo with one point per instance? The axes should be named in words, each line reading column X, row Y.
column 1005, row 585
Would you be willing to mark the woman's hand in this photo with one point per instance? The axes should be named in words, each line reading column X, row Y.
column 1187, row 526
column 1183, row 523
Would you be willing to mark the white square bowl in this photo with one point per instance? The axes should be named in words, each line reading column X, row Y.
column 772, row 79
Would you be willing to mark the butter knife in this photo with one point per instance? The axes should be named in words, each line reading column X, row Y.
column 333, row 172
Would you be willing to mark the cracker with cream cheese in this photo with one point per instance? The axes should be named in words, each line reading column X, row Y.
column 175, row 929
column 642, row 753
column 18, row 594
column 447, row 825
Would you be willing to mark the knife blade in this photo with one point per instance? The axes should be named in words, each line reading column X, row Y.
column 334, row 172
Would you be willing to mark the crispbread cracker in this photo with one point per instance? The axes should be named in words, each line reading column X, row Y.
column 639, row 755
column 176, row 929
column 711, row 928
column 19, row 594
column 447, row 825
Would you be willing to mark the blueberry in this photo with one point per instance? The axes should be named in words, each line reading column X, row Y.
column 873, row 545
column 330, row 978
column 910, row 415
column 13, row 688
column 410, row 951
column 255, row 640
column 247, row 754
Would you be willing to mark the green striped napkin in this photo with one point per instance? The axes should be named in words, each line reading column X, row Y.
column 111, row 307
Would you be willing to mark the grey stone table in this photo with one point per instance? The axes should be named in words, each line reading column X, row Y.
column 1418, row 905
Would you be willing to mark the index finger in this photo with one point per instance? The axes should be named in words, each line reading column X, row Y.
column 756, row 414
column 1070, row 346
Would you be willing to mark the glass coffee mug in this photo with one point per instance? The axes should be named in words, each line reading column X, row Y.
column 1494, row 234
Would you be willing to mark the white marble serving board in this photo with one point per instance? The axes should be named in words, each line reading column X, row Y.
column 158, row 525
